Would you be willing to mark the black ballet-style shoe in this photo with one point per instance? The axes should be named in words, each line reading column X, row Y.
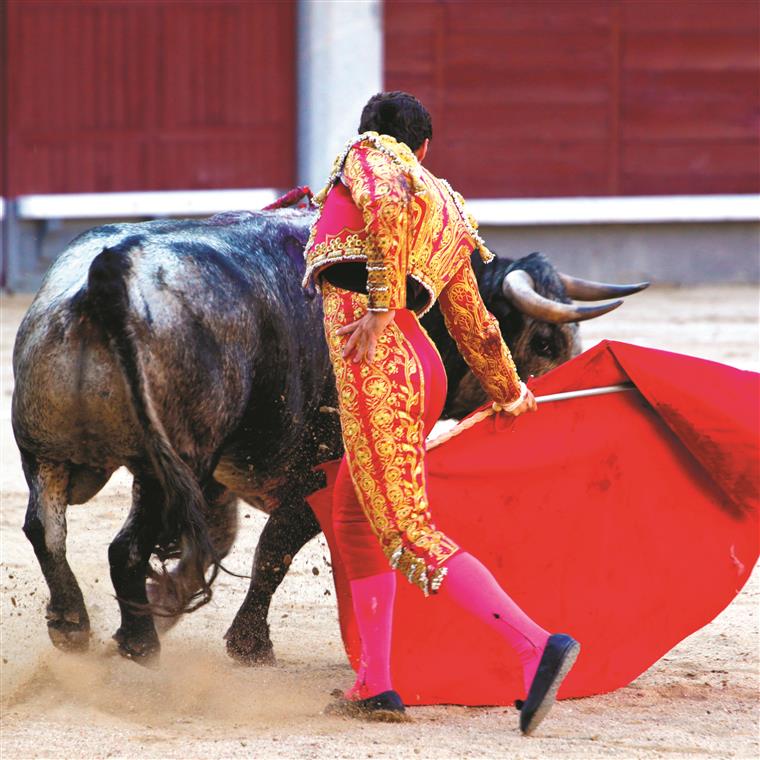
column 385, row 707
column 559, row 656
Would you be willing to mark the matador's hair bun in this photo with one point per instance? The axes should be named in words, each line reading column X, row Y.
column 399, row 115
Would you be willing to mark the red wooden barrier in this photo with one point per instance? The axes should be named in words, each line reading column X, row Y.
column 608, row 97
column 128, row 95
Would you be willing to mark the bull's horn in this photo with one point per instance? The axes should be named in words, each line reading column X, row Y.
column 588, row 290
column 519, row 289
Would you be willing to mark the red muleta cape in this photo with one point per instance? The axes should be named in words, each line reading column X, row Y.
column 629, row 520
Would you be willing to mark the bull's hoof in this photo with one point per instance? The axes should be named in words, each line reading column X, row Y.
column 143, row 650
column 248, row 649
column 251, row 657
column 68, row 636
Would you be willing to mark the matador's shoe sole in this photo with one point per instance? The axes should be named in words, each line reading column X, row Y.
column 559, row 656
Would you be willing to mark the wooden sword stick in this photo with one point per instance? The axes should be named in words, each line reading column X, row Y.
column 564, row 396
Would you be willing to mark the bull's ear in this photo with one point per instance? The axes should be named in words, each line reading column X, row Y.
column 520, row 290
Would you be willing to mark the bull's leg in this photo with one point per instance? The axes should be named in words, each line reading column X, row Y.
column 221, row 517
column 289, row 527
column 45, row 527
column 128, row 555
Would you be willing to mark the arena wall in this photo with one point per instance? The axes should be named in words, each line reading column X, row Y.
column 550, row 99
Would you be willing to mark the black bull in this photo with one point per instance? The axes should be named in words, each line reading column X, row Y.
column 188, row 351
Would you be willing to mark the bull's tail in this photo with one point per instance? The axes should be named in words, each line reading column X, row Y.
column 184, row 524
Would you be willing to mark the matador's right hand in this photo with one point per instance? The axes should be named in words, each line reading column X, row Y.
column 365, row 333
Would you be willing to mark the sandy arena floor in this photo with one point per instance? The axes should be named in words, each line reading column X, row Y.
column 701, row 700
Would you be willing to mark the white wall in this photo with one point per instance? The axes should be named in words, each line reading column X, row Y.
column 340, row 65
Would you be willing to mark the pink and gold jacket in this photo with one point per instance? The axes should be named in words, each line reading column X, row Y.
column 410, row 229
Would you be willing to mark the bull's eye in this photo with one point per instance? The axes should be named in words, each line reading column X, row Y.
column 541, row 346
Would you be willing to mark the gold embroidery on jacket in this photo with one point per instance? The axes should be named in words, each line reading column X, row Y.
column 353, row 247
column 381, row 191
column 478, row 336
column 417, row 224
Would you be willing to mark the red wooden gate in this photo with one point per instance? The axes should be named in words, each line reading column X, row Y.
column 583, row 97
column 115, row 95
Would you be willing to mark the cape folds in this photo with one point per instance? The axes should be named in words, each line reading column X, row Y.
column 628, row 520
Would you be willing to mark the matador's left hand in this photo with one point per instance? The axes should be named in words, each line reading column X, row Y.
column 365, row 333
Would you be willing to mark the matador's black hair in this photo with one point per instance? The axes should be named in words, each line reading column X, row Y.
column 399, row 115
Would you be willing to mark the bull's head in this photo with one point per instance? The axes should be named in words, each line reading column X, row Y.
column 539, row 321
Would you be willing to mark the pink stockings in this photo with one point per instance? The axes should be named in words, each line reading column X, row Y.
column 373, row 608
column 472, row 587
column 470, row 584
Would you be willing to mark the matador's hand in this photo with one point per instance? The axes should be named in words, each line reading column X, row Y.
column 365, row 333
column 528, row 405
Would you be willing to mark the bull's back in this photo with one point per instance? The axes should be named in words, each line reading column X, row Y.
column 219, row 322
column 205, row 312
